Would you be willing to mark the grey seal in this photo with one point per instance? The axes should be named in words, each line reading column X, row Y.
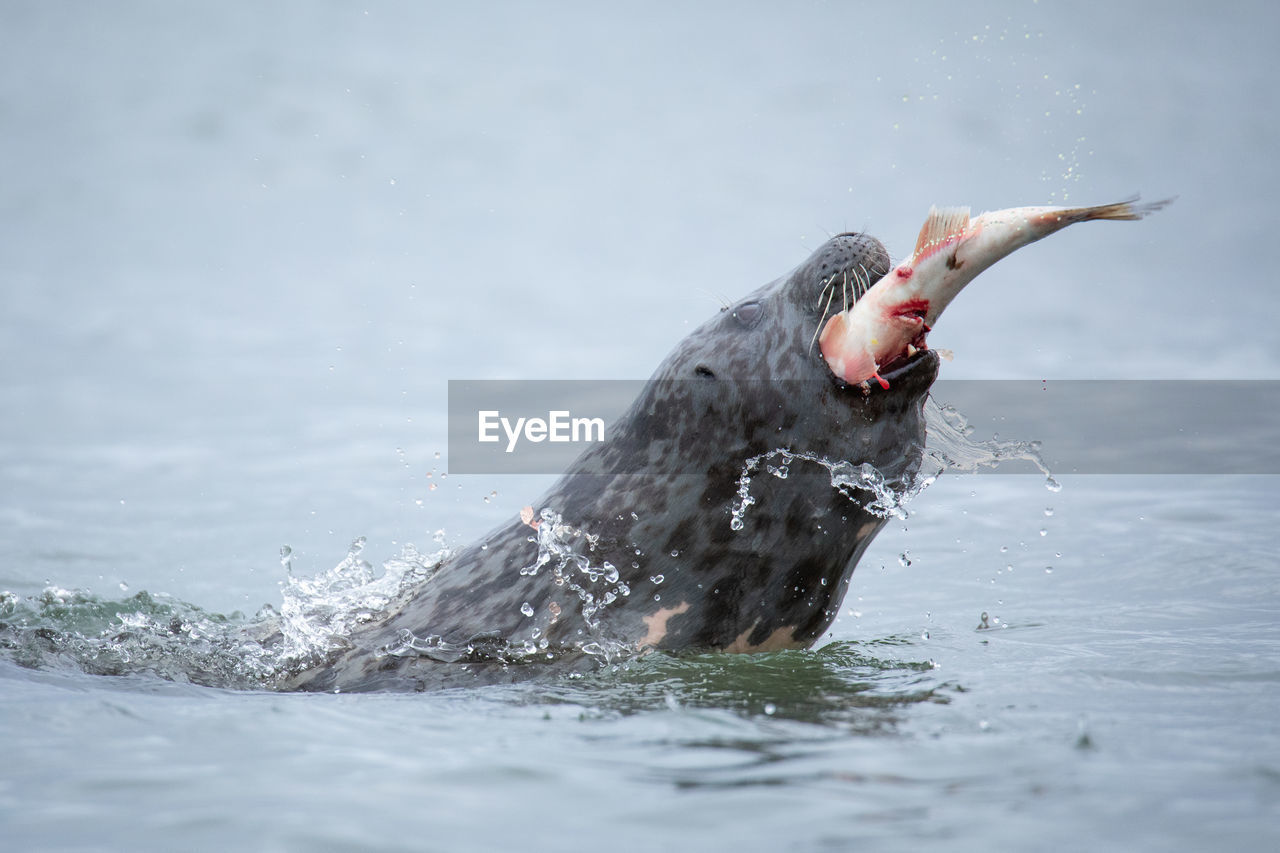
column 727, row 510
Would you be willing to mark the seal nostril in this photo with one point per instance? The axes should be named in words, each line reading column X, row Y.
column 703, row 370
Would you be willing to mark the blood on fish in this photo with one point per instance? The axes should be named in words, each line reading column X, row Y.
column 918, row 307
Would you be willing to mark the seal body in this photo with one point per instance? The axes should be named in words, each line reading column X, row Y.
column 723, row 513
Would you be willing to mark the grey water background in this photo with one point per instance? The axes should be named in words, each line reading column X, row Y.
column 245, row 247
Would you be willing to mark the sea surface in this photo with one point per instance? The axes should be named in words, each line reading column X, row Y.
column 244, row 247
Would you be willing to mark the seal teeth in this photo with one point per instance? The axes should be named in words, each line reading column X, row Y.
column 911, row 350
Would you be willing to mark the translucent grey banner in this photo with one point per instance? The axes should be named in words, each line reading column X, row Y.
column 1082, row 426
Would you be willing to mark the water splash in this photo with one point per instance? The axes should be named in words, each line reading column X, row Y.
column 567, row 550
column 435, row 647
column 567, row 558
column 319, row 613
column 951, row 446
column 856, row 482
column 62, row 629
column 155, row 634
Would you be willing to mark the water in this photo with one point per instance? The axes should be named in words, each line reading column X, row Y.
column 244, row 250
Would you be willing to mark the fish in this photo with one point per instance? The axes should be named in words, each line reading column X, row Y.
column 889, row 322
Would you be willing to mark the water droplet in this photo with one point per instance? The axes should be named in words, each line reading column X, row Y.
column 657, row 578
column 905, row 558
column 1044, row 532
column 657, row 597
column 1048, row 570
column 770, row 709
column 1004, row 549
column 924, row 635
column 1048, row 511
column 124, row 587
column 526, row 609
column 675, row 553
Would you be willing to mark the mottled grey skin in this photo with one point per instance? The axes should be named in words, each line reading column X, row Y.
column 659, row 495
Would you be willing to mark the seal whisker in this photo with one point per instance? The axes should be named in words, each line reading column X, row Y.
column 866, row 280
column 831, row 292
column 725, row 303
column 826, row 285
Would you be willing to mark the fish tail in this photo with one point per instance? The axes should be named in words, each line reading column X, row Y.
column 1127, row 210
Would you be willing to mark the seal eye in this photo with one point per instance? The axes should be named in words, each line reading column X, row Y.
column 748, row 313
column 703, row 370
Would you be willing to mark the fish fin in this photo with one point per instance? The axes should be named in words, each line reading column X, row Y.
column 943, row 225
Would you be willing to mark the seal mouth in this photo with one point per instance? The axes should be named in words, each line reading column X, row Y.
column 914, row 349
column 903, row 364
column 893, row 373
